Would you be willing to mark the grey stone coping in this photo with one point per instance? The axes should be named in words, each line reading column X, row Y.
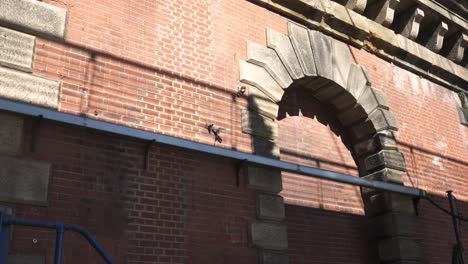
column 376, row 38
column 34, row 17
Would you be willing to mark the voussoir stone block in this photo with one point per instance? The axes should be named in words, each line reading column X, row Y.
column 257, row 124
column 357, row 82
column 341, row 58
column 283, row 47
column 322, row 48
column 382, row 140
column 273, row 257
column 268, row 59
column 259, row 77
column 260, row 102
column 11, row 134
column 24, row 181
column 270, row 207
column 386, row 159
column 264, row 179
column 378, row 120
column 34, row 17
column 399, row 248
column 268, row 235
column 300, row 40
column 463, row 114
column 27, row 88
column 16, row 49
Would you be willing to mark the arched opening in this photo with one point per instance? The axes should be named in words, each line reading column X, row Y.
column 309, row 73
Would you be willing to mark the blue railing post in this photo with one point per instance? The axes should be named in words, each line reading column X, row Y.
column 4, row 238
column 59, row 243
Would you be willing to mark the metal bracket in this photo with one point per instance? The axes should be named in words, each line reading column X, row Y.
column 35, row 131
column 416, row 204
column 239, row 165
column 147, row 149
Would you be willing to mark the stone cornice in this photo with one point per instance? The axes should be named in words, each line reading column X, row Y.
column 418, row 56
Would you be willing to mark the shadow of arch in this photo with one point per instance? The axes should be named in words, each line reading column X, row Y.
column 306, row 67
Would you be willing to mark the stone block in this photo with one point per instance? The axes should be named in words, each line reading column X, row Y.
column 352, row 115
column 457, row 50
column 356, row 5
column 382, row 11
column 384, row 202
column 12, row 259
column 283, row 47
column 358, row 81
column 436, row 40
column 27, row 88
column 24, row 181
column 372, row 99
column 378, row 120
column 398, row 249
column 11, row 134
column 260, row 102
column 256, row 124
column 463, row 114
column 16, row 49
column 386, row 159
column 341, row 58
column 343, row 101
column 382, row 140
column 268, row 235
column 322, row 48
column 410, row 28
column 268, row 59
column 327, row 92
column 385, row 175
column 273, row 257
column 265, row 147
column 392, row 224
column 34, row 17
column 300, row 40
column 264, row 179
column 257, row 76
column 270, row 207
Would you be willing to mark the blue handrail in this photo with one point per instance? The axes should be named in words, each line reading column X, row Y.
column 7, row 220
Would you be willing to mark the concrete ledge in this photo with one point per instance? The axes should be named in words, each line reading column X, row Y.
column 34, row 17
column 27, row 88
column 16, row 50
column 24, row 181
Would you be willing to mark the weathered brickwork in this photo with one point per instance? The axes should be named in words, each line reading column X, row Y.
column 174, row 67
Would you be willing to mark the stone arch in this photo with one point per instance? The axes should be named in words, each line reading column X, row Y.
column 324, row 66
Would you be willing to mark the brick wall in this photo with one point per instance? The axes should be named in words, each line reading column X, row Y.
column 172, row 67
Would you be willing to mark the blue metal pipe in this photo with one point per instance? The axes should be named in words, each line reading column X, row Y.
column 59, row 243
column 4, row 239
column 98, row 247
column 31, row 110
